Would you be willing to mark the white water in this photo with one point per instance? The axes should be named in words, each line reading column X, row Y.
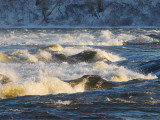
column 36, row 73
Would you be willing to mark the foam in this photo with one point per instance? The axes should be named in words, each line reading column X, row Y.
column 44, row 55
column 98, row 38
column 12, row 90
column 143, row 39
column 54, row 47
column 103, row 54
column 121, row 74
column 60, row 102
column 9, row 72
column 28, row 57
column 47, row 82
column 46, row 85
column 107, row 38
column 32, row 74
column 3, row 58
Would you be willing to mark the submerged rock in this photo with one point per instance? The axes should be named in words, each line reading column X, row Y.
column 154, row 36
column 92, row 82
column 87, row 56
column 63, row 58
column 4, row 79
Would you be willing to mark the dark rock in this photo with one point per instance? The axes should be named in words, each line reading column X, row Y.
column 92, row 82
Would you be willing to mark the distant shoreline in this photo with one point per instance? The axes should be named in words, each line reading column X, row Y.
column 71, row 27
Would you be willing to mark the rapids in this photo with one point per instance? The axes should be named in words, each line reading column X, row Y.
column 79, row 73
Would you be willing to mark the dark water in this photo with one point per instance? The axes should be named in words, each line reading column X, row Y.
column 127, row 100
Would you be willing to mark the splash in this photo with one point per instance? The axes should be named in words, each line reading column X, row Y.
column 46, row 85
column 12, row 90
column 44, row 56
column 142, row 39
column 103, row 54
column 54, row 47
column 4, row 58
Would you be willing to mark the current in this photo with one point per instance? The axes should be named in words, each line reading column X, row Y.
column 80, row 74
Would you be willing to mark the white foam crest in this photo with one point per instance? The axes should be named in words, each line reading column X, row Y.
column 121, row 74
column 54, row 47
column 103, row 54
column 104, row 37
column 24, row 55
column 110, row 72
column 50, row 85
column 78, row 39
column 143, row 39
column 45, row 85
column 29, row 57
column 49, row 79
column 44, row 55
column 107, row 38
column 62, row 102
column 75, row 50
column 9, row 72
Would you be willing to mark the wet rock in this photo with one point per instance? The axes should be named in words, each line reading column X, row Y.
column 87, row 56
column 4, row 79
column 92, row 82
column 63, row 58
column 154, row 36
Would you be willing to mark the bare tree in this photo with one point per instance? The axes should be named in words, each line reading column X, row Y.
column 45, row 17
column 99, row 3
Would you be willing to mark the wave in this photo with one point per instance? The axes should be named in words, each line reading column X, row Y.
column 82, row 39
column 55, row 53
column 51, row 85
column 13, row 86
column 145, row 39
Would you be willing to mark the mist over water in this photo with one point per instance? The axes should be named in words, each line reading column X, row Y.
column 112, row 71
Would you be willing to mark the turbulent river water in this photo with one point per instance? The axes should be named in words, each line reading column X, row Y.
column 79, row 74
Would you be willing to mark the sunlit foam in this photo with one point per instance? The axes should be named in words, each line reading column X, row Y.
column 12, row 90
column 47, row 85
column 103, row 54
column 54, row 47
column 143, row 39
column 121, row 74
column 44, row 55
column 120, row 77
column 22, row 55
column 28, row 57
column 3, row 58
column 6, row 72
column 109, row 39
column 100, row 64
